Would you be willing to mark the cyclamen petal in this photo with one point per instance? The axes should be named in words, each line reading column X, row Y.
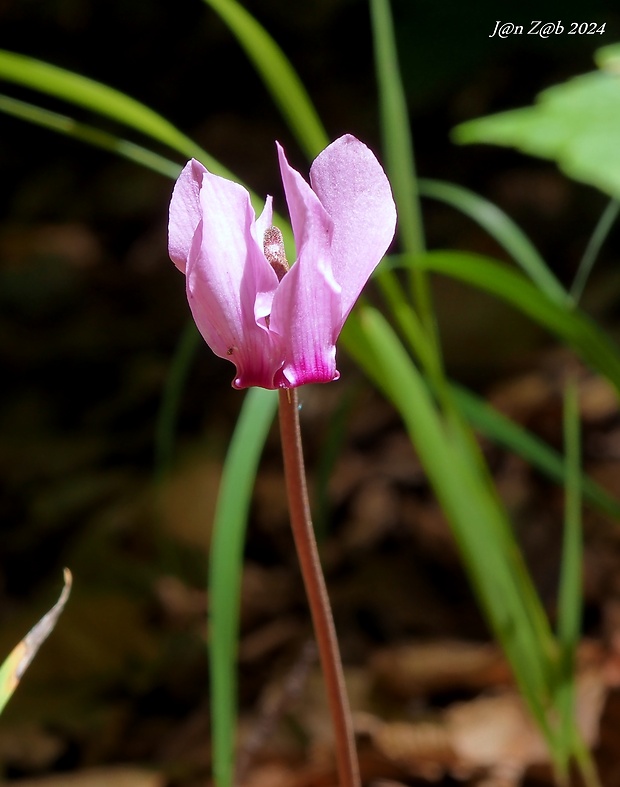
column 353, row 189
column 281, row 334
column 185, row 212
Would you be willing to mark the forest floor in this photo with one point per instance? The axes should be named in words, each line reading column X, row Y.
column 119, row 693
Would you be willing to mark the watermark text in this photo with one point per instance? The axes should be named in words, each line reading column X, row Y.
column 537, row 27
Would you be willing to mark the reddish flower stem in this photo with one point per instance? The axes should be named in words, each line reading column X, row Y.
column 320, row 608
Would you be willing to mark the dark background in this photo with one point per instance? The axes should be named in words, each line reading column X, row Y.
column 91, row 311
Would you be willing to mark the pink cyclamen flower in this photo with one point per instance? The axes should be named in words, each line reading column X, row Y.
column 279, row 326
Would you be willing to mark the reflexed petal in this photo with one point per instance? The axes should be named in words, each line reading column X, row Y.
column 306, row 307
column 264, row 221
column 353, row 188
column 185, row 212
column 227, row 276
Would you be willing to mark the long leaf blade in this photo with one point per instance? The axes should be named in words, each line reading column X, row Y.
column 225, row 568
column 500, row 227
column 572, row 326
column 503, row 431
column 569, row 596
column 502, row 584
column 397, row 140
column 63, row 124
column 95, row 96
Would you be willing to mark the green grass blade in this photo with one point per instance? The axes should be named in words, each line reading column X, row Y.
column 401, row 170
column 406, row 318
column 502, row 228
column 108, row 102
column 489, row 553
column 569, row 596
column 92, row 95
column 280, row 78
column 397, row 142
column 496, row 426
column 122, row 147
column 225, row 568
column 479, row 412
column 572, row 326
column 165, row 429
column 63, row 124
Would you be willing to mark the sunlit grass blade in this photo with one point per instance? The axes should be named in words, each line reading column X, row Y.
column 572, row 326
column 138, row 154
column 397, row 141
column 278, row 75
column 20, row 658
column 502, row 228
column 490, row 555
column 401, row 170
column 108, row 102
column 54, row 121
column 225, row 569
column 95, row 96
column 479, row 413
column 601, row 231
column 104, row 100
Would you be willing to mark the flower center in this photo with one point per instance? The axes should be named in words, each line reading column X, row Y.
column 273, row 247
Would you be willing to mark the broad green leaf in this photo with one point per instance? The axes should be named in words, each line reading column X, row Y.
column 225, row 568
column 278, row 75
column 607, row 58
column 576, row 124
column 20, row 658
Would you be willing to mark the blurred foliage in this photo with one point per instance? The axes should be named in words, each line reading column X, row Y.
column 89, row 332
column 576, row 124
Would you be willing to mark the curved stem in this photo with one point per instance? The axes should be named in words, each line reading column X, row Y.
column 305, row 543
